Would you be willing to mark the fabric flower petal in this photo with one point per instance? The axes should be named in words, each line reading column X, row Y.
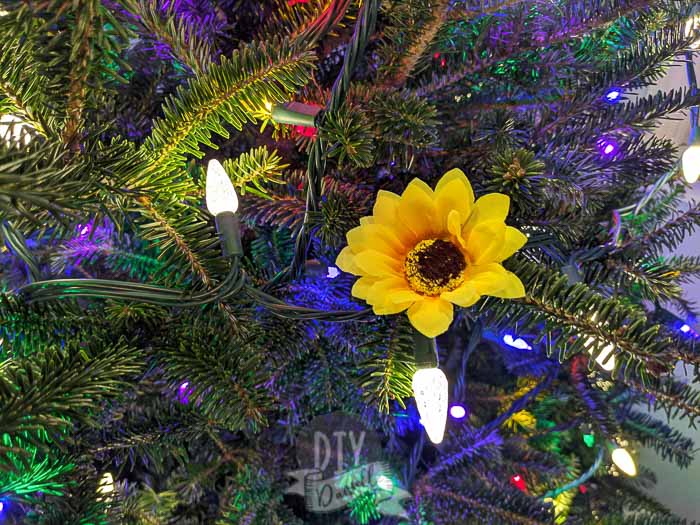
column 362, row 287
column 454, row 193
column 346, row 261
column 378, row 264
column 432, row 316
column 375, row 237
column 417, row 210
column 514, row 240
column 386, row 212
column 491, row 207
column 485, row 241
column 493, row 279
column 464, row 296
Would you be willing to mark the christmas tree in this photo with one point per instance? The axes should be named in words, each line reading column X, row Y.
column 333, row 261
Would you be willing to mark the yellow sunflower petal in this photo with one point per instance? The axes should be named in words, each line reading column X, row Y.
column 377, row 264
column 513, row 241
column 465, row 295
column 417, row 210
column 454, row 192
column 362, row 287
column 390, row 295
column 431, row 316
column 512, row 287
column 485, row 241
column 454, row 226
column 386, row 208
column 490, row 207
column 386, row 212
column 375, row 237
column 493, row 279
column 346, row 261
column 383, row 288
column 389, row 308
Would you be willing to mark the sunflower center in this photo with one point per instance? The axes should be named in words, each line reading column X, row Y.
column 434, row 266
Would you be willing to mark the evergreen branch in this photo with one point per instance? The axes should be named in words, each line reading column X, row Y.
column 669, row 442
column 387, row 375
column 175, row 245
column 584, row 320
column 184, row 41
column 666, row 237
column 465, row 506
column 225, row 384
column 251, row 170
column 85, row 12
column 43, row 397
column 230, row 91
column 420, row 40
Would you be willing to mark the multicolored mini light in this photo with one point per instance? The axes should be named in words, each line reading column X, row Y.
column 518, row 343
column 613, row 95
column 458, row 411
column 608, row 147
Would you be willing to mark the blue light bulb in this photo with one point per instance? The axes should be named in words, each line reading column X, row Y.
column 613, row 95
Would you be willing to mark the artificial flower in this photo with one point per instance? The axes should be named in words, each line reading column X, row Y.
column 425, row 250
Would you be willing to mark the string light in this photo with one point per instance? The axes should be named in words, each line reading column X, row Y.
column 183, row 393
column 458, row 411
column 13, row 130
column 220, row 193
column 384, row 482
column 613, row 95
column 606, row 364
column 691, row 162
column 623, row 460
column 685, row 329
column 430, row 391
column 106, row 486
column 692, row 25
column 222, row 203
column 333, row 272
column 519, row 343
column 608, row 147
column 518, row 481
column 589, row 440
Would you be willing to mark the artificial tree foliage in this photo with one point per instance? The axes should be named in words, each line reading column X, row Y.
column 189, row 377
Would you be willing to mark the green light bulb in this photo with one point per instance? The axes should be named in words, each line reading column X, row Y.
column 589, row 440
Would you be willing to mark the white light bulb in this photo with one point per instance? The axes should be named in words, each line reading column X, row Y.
column 623, row 460
column 692, row 25
column 221, row 196
column 691, row 163
column 12, row 130
column 608, row 366
column 430, row 391
column 106, row 485
column 384, row 482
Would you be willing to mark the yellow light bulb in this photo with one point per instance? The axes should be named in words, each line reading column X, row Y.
column 691, row 163
column 430, row 390
column 623, row 460
column 268, row 105
column 220, row 193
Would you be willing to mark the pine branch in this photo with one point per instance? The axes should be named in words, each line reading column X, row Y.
column 670, row 443
column 419, row 42
column 42, row 398
column 230, row 91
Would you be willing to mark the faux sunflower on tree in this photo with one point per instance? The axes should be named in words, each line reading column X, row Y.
column 425, row 250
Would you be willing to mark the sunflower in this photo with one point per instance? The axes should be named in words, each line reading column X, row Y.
column 427, row 250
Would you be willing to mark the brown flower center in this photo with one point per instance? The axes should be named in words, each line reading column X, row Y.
column 434, row 266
